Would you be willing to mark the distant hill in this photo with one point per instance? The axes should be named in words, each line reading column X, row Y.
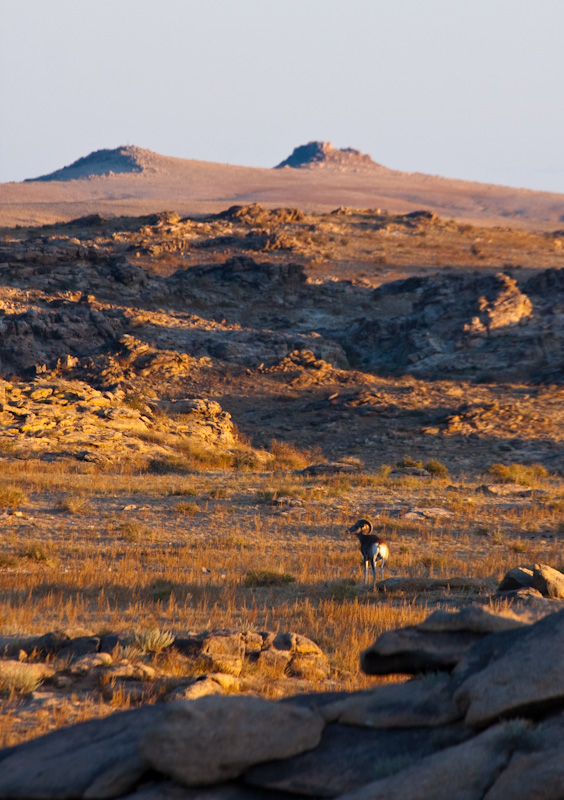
column 100, row 162
column 315, row 177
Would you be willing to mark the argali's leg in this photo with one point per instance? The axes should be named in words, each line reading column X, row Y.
column 373, row 572
column 365, row 572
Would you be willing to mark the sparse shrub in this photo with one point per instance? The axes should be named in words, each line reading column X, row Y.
column 7, row 560
column 36, row 552
column 218, row 493
column 436, row 468
column 265, row 577
column 74, row 504
column 19, row 681
column 517, row 473
column 161, row 589
column 133, row 531
column 169, row 465
column 179, row 491
column 153, row 640
column 135, row 402
column 407, row 461
column 11, row 497
column 519, row 546
column 384, row 471
column 188, row 509
column 288, row 456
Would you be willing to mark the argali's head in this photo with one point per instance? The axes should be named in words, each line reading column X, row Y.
column 362, row 527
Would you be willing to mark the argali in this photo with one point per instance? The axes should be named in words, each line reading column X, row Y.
column 373, row 548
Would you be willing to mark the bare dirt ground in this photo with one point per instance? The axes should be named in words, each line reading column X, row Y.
column 166, row 383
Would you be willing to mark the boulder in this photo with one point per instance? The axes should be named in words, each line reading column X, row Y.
column 521, row 674
column 214, row 739
column 348, row 758
column 536, row 769
column 548, row 581
column 516, row 578
column 66, row 763
column 419, row 703
column 464, row 772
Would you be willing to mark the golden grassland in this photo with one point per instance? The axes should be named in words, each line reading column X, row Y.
column 131, row 551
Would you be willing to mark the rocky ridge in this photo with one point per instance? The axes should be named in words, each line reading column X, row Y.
column 323, row 155
column 487, row 725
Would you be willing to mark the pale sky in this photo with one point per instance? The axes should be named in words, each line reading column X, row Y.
column 467, row 89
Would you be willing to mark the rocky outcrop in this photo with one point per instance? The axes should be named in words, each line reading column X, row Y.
column 458, row 325
column 323, row 154
column 540, row 581
column 490, row 729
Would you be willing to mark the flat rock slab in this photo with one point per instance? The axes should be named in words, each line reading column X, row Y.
column 464, row 772
column 410, row 651
column 417, row 585
column 474, row 619
column 523, row 675
column 66, row 763
column 417, row 703
column 349, row 757
column 214, row 739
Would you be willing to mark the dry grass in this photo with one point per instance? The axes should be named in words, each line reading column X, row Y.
column 241, row 563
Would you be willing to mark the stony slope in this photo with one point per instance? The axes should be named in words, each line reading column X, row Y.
column 236, row 309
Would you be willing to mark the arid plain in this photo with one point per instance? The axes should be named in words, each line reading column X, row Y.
column 208, row 373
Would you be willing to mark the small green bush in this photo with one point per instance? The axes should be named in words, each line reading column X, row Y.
column 407, row 461
column 436, row 468
column 265, row 577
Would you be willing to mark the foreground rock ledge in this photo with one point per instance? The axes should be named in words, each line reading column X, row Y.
column 490, row 728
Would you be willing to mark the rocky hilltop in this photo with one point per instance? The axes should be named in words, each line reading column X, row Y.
column 103, row 162
column 323, row 154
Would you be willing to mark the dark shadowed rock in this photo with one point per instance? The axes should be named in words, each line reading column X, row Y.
column 350, row 757
column 410, row 651
column 417, row 703
column 81, row 646
column 66, row 763
column 167, row 790
column 214, row 739
column 524, row 674
column 536, row 770
column 526, row 595
column 548, row 581
column 463, row 772
column 516, row 578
